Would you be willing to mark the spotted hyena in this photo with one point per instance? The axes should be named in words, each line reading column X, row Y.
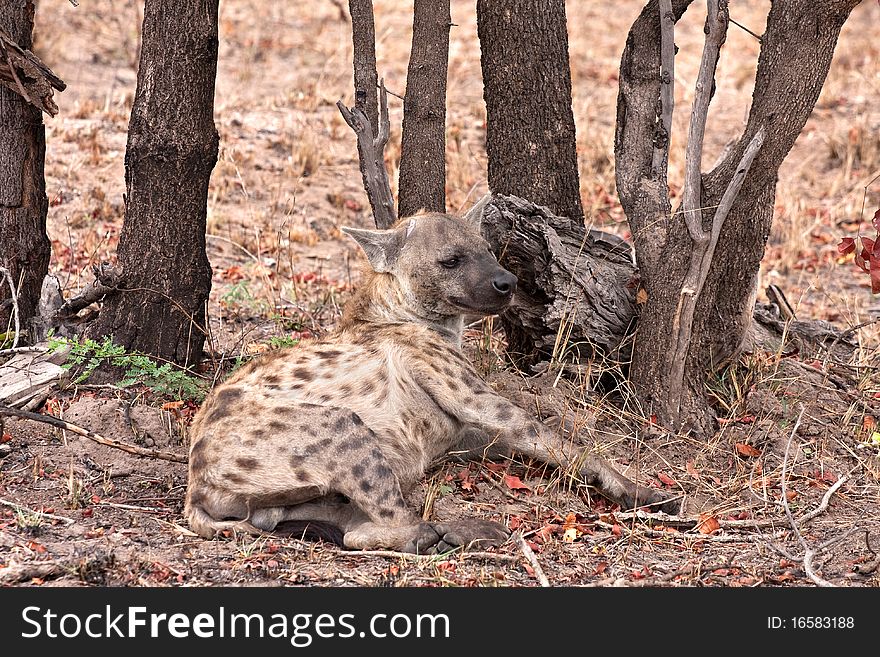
column 335, row 430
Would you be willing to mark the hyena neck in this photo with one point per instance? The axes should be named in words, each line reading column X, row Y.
column 382, row 301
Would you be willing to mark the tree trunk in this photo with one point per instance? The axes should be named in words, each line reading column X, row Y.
column 796, row 52
column 530, row 135
column 171, row 151
column 24, row 245
column 363, row 36
column 422, row 181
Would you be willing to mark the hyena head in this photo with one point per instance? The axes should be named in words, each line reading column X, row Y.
column 442, row 264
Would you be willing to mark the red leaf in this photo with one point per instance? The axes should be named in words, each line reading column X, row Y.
column 666, row 479
column 876, row 220
column 616, row 530
column 847, row 245
column 875, row 277
column 708, row 524
column 867, row 247
column 747, row 450
column 514, row 483
column 6, row 437
column 600, row 568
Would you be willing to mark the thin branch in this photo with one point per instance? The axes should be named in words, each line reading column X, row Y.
column 531, row 558
column 663, row 134
column 747, row 30
column 14, row 298
column 716, row 34
column 91, row 435
column 698, row 272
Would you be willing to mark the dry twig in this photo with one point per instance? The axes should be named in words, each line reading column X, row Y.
column 531, row 558
column 91, row 435
column 14, row 297
column 24, row 509
column 810, row 552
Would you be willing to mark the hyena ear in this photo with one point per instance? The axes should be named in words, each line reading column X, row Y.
column 382, row 247
column 474, row 216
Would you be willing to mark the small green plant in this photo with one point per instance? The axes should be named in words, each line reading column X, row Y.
column 282, row 341
column 85, row 355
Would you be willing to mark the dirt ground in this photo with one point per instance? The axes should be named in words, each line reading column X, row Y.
column 76, row 513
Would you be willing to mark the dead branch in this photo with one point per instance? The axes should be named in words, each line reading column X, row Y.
column 91, row 435
column 94, row 291
column 701, row 261
column 531, row 558
column 371, row 151
column 22, row 350
column 691, row 206
column 14, row 297
column 663, row 134
column 25, row 74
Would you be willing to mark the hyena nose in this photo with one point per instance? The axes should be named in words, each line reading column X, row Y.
column 504, row 283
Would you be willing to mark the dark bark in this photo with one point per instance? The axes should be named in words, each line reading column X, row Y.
column 171, row 151
column 422, row 182
column 796, row 52
column 366, row 80
column 24, row 245
column 530, row 137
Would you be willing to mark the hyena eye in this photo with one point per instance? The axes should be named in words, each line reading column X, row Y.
column 451, row 263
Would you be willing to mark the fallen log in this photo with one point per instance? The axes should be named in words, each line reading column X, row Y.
column 576, row 297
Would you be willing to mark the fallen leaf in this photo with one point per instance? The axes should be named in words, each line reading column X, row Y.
column 616, row 530
column 6, row 437
column 642, row 294
column 868, row 422
column 691, row 470
column 666, row 479
column 747, row 450
column 847, row 245
column 172, row 405
column 514, row 483
column 600, row 568
column 708, row 524
column 569, row 528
